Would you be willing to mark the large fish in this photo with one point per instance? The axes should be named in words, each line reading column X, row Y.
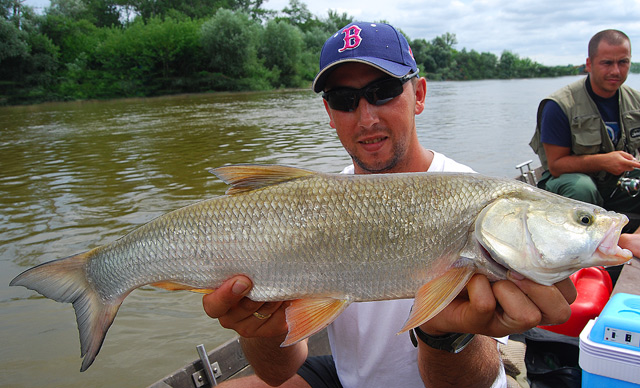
column 327, row 240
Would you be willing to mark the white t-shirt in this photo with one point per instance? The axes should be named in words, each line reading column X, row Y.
column 366, row 350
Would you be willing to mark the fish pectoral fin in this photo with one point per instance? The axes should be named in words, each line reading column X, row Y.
column 434, row 296
column 248, row 177
column 306, row 317
column 171, row 286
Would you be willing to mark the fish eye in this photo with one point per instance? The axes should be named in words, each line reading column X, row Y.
column 585, row 219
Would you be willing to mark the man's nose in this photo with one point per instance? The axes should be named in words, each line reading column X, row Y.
column 615, row 69
column 367, row 113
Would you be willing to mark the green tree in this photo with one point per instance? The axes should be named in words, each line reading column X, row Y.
column 11, row 9
column 418, row 48
column 168, row 46
column 42, row 64
column 488, row 62
column 149, row 58
column 473, row 65
column 281, row 51
column 229, row 40
column 12, row 42
column 336, row 20
column 28, row 59
column 160, row 8
column 506, row 65
column 195, row 9
column 73, row 9
column 297, row 14
column 72, row 36
column 442, row 50
column 103, row 13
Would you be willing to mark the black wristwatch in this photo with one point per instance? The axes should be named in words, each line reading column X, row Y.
column 452, row 343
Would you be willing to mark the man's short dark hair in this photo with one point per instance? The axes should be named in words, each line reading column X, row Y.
column 612, row 37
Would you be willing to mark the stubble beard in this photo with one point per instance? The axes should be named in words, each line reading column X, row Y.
column 379, row 167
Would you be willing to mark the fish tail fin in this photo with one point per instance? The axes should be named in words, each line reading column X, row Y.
column 65, row 280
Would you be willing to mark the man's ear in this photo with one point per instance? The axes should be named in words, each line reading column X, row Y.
column 421, row 94
column 326, row 107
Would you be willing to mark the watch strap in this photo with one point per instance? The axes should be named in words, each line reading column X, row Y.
column 452, row 342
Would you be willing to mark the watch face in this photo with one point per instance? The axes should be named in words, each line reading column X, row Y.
column 461, row 342
column 452, row 343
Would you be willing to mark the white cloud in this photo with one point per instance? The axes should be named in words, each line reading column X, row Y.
column 547, row 31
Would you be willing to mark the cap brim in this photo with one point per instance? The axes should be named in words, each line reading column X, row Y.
column 394, row 69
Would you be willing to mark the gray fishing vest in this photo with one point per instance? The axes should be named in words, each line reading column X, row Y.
column 588, row 130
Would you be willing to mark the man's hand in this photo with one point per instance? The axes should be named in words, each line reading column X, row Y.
column 234, row 311
column 619, row 162
column 262, row 327
column 492, row 310
column 504, row 307
column 562, row 161
column 631, row 241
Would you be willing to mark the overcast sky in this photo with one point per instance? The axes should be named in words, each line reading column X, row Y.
column 551, row 32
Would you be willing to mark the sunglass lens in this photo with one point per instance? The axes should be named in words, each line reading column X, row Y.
column 377, row 93
column 384, row 91
column 344, row 100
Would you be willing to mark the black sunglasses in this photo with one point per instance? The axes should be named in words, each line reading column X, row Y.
column 376, row 93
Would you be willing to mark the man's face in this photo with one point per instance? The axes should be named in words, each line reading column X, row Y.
column 609, row 68
column 379, row 138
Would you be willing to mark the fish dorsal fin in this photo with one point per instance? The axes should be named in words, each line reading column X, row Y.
column 306, row 317
column 436, row 295
column 249, row 177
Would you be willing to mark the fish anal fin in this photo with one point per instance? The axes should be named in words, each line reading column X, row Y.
column 306, row 317
column 434, row 296
column 172, row 286
column 248, row 177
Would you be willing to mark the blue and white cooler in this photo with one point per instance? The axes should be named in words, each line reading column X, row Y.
column 610, row 345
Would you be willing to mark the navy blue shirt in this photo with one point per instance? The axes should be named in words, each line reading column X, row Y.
column 554, row 124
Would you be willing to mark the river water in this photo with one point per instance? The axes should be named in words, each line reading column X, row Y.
column 77, row 175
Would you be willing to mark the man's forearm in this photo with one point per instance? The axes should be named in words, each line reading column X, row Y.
column 615, row 162
column 577, row 164
column 478, row 365
column 272, row 363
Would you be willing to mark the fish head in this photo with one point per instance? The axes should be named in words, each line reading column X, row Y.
column 546, row 237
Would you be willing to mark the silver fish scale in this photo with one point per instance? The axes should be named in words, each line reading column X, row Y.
column 356, row 237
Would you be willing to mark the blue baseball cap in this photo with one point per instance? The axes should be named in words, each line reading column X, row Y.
column 376, row 44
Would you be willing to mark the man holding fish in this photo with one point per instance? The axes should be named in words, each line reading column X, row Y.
column 405, row 230
column 372, row 92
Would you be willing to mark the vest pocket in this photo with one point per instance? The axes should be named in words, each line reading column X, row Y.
column 631, row 120
column 587, row 135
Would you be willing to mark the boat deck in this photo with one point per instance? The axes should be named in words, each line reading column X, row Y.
column 228, row 362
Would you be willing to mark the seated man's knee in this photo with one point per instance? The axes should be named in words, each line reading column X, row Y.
column 577, row 186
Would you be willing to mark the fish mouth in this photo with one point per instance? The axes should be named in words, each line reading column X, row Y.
column 609, row 251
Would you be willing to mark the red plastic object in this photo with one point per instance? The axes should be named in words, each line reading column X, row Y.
column 594, row 289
